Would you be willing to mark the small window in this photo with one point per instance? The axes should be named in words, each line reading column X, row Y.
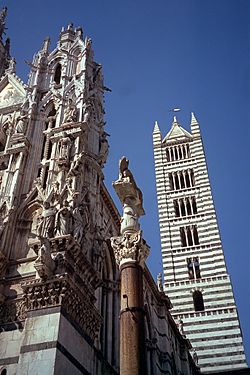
column 4, row 372
column 198, row 301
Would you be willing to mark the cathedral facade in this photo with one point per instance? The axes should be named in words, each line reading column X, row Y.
column 196, row 278
column 59, row 280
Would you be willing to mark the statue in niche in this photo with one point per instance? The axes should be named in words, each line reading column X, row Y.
column 7, row 126
column 98, row 248
column 104, row 149
column 70, row 113
column 81, row 221
column 64, row 220
column 86, row 111
column 47, row 221
column 65, row 145
column 21, row 123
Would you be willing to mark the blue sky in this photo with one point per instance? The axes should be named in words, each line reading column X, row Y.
column 157, row 55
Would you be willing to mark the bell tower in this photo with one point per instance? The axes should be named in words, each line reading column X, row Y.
column 195, row 275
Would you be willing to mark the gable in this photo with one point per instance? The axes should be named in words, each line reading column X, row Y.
column 177, row 133
column 11, row 93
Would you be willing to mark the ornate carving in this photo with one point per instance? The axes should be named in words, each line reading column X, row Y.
column 62, row 291
column 130, row 247
column 70, row 113
column 12, row 311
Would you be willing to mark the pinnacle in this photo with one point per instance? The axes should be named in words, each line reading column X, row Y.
column 193, row 119
column 156, row 128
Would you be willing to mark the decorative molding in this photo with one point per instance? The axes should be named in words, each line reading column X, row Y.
column 63, row 291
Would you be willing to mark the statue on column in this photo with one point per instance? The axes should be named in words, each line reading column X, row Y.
column 130, row 245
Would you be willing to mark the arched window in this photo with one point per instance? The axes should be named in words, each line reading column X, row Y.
column 4, row 372
column 57, row 75
column 198, row 301
column 176, row 208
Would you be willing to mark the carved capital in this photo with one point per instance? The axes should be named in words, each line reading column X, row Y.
column 130, row 247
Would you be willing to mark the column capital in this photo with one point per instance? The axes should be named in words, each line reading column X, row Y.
column 130, row 247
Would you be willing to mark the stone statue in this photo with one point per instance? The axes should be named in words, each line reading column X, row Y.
column 65, row 145
column 12, row 66
column 21, row 124
column 75, row 166
column 130, row 196
column 70, row 113
column 44, row 264
column 81, row 221
column 104, row 149
column 86, row 111
column 47, row 223
column 8, row 125
column 64, row 220
column 124, row 172
column 159, row 282
column 195, row 356
column 180, row 326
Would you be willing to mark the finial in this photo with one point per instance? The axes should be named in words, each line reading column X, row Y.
column 70, row 26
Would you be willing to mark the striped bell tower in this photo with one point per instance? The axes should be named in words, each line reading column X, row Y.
column 195, row 274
